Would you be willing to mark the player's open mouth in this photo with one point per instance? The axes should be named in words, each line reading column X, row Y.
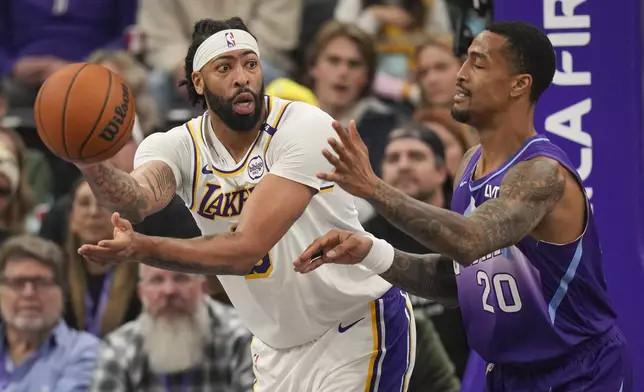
column 461, row 94
column 244, row 104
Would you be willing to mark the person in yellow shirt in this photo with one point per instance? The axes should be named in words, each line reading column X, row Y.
column 288, row 89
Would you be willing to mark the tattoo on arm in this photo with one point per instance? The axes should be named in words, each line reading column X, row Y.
column 122, row 192
column 429, row 276
column 161, row 182
column 529, row 191
column 118, row 191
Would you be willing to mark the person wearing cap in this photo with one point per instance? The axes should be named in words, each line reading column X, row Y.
column 415, row 163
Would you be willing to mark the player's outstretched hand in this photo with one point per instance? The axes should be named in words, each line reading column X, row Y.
column 352, row 169
column 120, row 248
column 336, row 246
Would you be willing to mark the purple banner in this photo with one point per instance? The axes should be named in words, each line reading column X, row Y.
column 594, row 112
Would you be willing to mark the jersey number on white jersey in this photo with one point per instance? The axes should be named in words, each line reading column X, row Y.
column 262, row 269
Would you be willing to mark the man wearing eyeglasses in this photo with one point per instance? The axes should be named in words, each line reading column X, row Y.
column 182, row 341
column 38, row 351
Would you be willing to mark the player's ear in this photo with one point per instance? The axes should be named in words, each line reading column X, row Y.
column 197, row 81
column 521, row 85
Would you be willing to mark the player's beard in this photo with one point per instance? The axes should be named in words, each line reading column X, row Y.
column 175, row 344
column 223, row 108
column 461, row 115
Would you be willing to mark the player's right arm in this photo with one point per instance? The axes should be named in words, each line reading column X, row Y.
column 145, row 191
column 152, row 184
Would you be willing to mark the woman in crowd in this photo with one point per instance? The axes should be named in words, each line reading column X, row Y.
column 101, row 297
column 456, row 137
column 16, row 197
column 436, row 71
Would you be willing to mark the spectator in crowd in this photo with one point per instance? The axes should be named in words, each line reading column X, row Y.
column 182, row 339
column 436, row 71
column 412, row 17
column 38, row 174
column 16, row 197
column 398, row 26
column 341, row 65
column 101, row 297
column 415, row 163
column 167, row 27
column 136, row 77
column 42, row 352
column 290, row 90
column 38, row 37
column 457, row 138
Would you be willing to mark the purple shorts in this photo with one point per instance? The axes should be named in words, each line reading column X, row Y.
column 601, row 364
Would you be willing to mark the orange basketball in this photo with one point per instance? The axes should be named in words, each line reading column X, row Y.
column 84, row 113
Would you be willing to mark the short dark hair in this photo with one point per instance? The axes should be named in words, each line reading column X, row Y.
column 420, row 132
column 204, row 29
column 528, row 51
column 36, row 248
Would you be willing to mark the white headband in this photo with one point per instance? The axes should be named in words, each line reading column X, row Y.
column 220, row 43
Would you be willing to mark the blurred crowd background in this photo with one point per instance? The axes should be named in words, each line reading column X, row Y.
column 389, row 64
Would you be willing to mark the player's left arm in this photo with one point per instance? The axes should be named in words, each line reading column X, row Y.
column 267, row 215
column 275, row 204
column 528, row 192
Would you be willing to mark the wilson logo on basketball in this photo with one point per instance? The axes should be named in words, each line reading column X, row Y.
column 120, row 112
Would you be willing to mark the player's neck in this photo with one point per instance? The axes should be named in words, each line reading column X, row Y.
column 503, row 137
column 237, row 143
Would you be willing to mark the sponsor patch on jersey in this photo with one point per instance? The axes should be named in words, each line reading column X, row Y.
column 256, row 168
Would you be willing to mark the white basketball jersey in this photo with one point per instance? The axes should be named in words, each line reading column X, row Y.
column 281, row 307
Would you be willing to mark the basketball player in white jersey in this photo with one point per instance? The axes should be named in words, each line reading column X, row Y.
column 247, row 170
